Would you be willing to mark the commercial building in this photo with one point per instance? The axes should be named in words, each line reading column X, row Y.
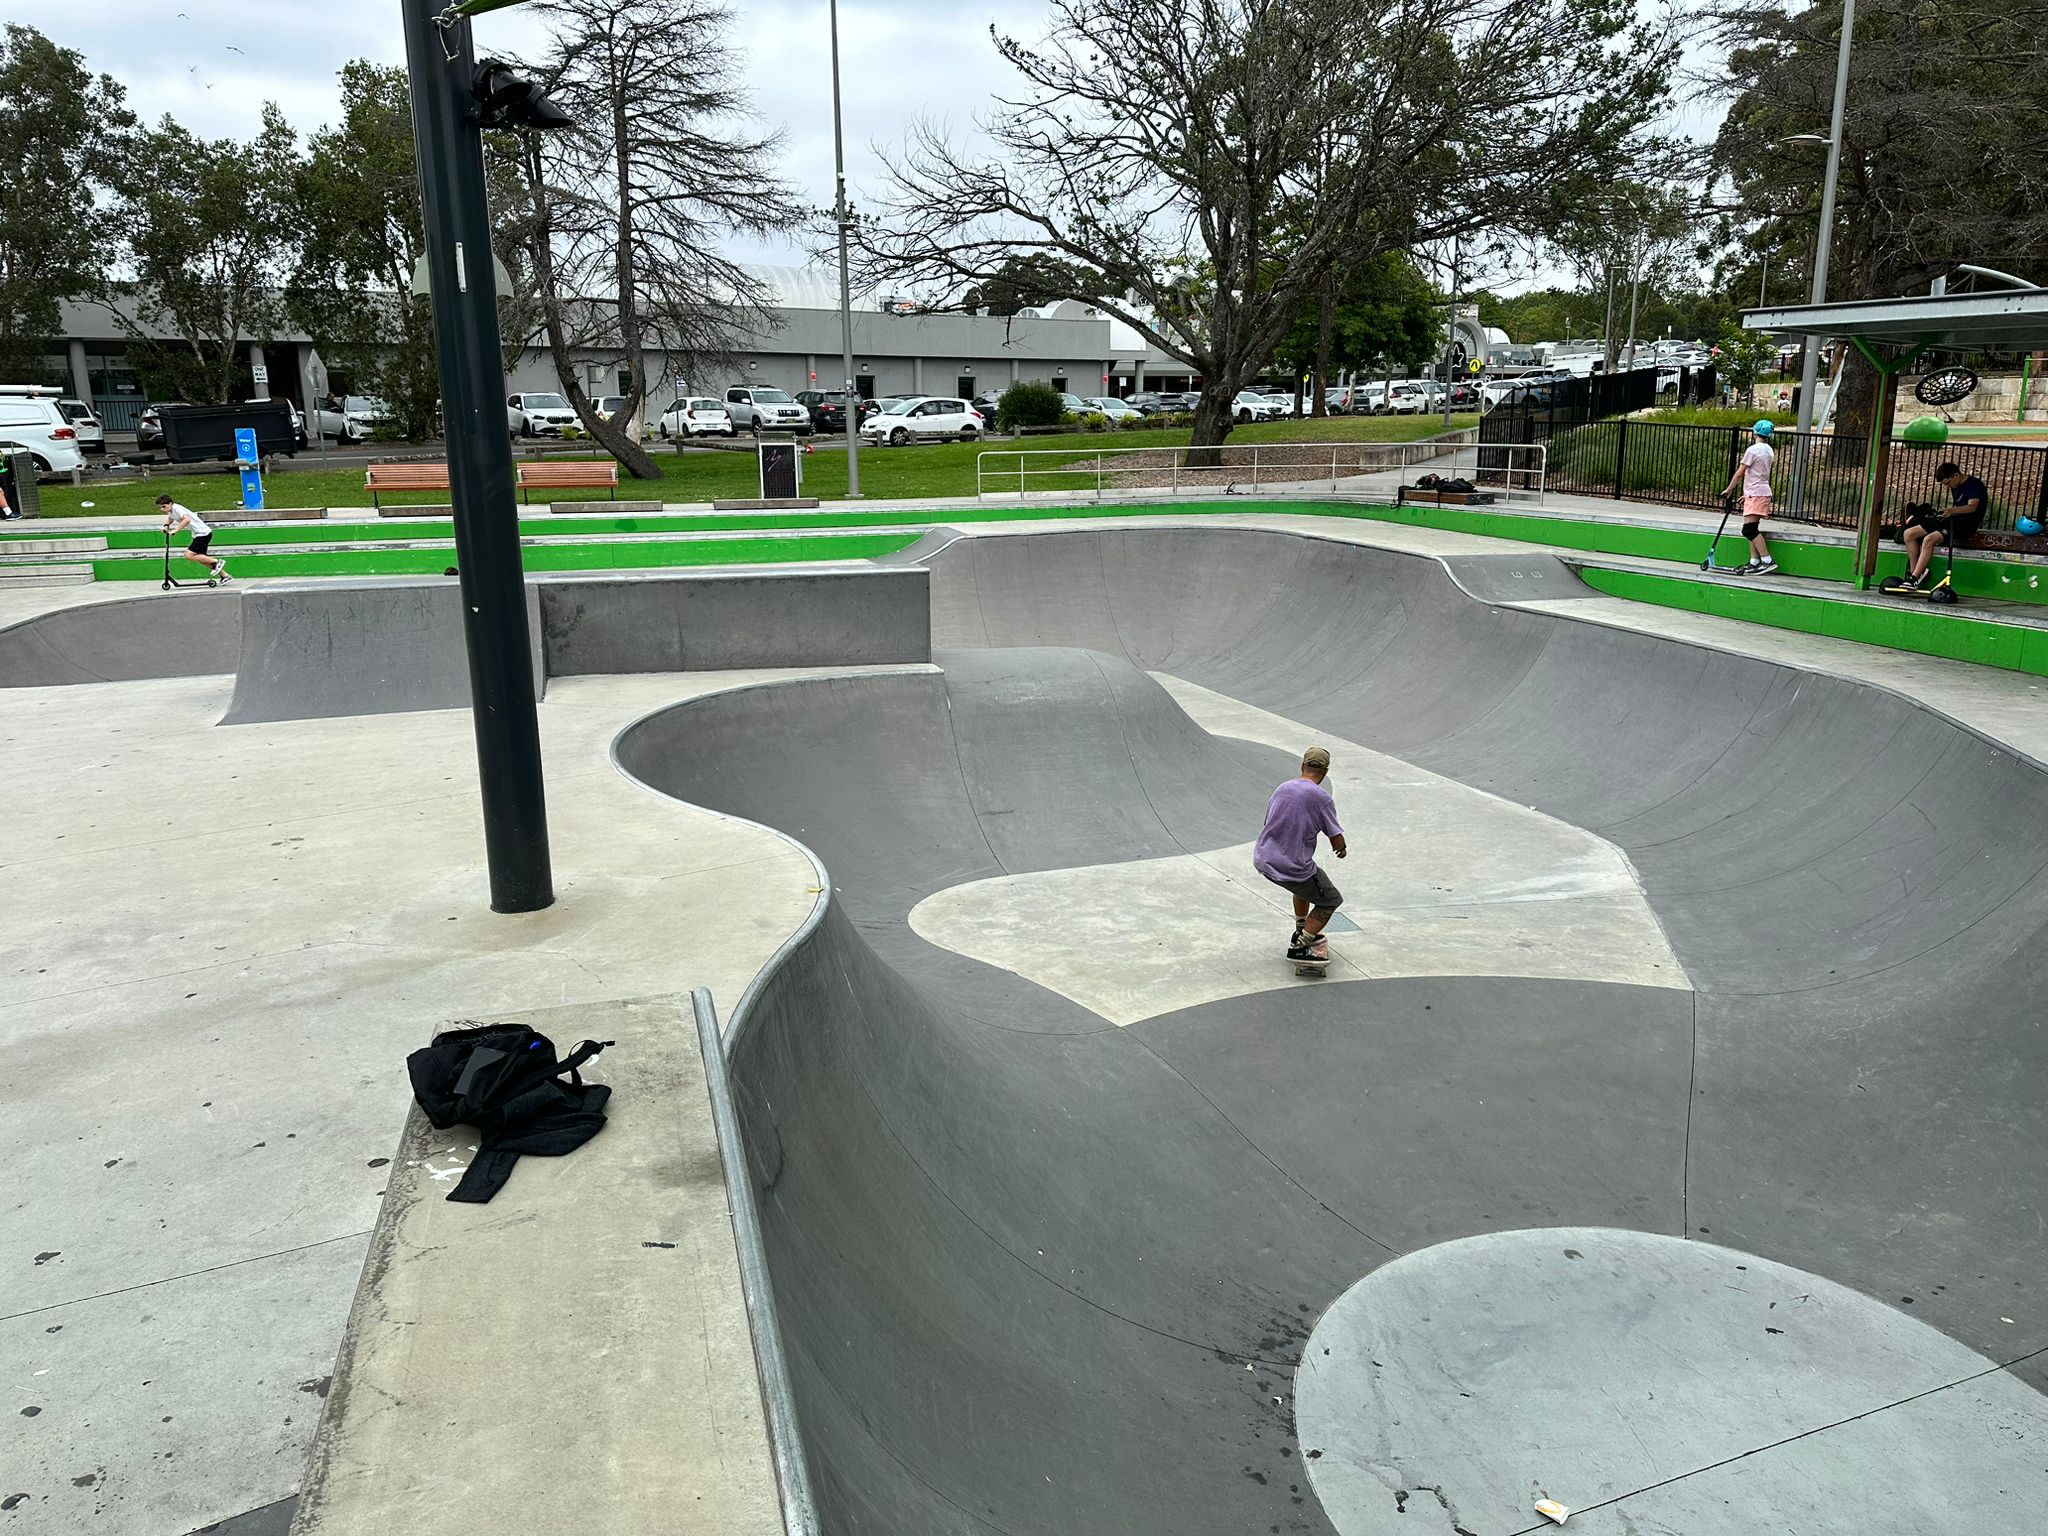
column 898, row 350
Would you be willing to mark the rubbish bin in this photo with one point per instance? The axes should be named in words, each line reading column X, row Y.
column 18, row 480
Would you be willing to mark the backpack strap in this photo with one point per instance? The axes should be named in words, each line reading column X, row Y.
column 577, row 1057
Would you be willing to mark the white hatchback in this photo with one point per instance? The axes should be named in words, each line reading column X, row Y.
column 696, row 416
column 1111, row 408
column 905, row 421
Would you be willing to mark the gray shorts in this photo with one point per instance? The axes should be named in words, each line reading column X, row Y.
column 1318, row 890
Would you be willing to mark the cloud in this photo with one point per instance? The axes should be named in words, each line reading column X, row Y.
column 898, row 62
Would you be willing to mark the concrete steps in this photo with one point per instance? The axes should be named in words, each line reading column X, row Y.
column 30, row 551
column 44, row 575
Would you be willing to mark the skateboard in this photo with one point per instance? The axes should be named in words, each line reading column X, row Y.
column 1310, row 967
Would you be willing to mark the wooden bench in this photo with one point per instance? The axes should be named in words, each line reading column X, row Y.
column 584, row 474
column 379, row 478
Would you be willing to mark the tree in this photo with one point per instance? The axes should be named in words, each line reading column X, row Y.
column 623, row 214
column 1744, row 356
column 356, row 203
column 207, row 238
column 1028, row 282
column 1941, row 144
column 58, row 125
column 1388, row 313
column 1215, row 165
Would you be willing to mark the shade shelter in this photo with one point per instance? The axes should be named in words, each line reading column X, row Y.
column 1893, row 333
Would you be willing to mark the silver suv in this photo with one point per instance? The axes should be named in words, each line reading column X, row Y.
column 766, row 410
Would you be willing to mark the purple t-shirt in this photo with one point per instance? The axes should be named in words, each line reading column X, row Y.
column 1299, row 810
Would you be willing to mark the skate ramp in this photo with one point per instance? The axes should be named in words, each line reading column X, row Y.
column 192, row 634
column 1045, row 1269
column 381, row 645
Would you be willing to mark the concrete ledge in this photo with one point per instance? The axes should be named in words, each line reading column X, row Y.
column 312, row 650
column 766, row 504
column 624, row 508
column 267, row 514
column 428, row 509
column 573, row 1356
column 694, row 621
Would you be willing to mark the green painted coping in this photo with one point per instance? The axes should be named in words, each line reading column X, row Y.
column 1902, row 626
column 538, row 557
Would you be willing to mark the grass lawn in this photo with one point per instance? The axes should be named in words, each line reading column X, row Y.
column 925, row 469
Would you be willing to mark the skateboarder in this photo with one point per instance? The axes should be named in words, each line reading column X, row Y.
column 176, row 517
column 1753, row 474
column 1286, row 853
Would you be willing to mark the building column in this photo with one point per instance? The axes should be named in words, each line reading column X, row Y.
column 262, row 383
column 917, row 375
column 81, row 376
column 811, row 370
column 1139, row 388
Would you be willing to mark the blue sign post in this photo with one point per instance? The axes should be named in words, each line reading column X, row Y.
column 247, row 459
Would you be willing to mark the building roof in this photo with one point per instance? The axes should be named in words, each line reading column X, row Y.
column 2008, row 319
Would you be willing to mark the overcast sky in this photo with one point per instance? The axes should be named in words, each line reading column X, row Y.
column 213, row 63
column 183, row 61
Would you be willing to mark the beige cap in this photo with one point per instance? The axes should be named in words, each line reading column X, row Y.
column 1317, row 758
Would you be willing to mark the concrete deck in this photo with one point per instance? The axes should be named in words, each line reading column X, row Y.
column 209, row 1089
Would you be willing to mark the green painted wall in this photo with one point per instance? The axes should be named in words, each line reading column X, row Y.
column 1900, row 624
column 653, row 553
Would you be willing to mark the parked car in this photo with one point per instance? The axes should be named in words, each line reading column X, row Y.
column 1282, row 398
column 1113, row 408
column 1151, row 403
column 1248, row 407
column 32, row 422
column 1074, row 405
column 920, row 416
column 329, row 419
column 827, row 408
column 92, row 437
column 609, row 406
column 695, row 416
column 987, row 401
column 149, row 426
column 766, row 410
column 531, row 415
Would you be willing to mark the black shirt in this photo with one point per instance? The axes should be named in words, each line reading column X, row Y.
column 1972, row 489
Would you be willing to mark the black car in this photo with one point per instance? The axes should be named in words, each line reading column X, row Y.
column 1150, row 404
column 827, row 408
column 149, row 426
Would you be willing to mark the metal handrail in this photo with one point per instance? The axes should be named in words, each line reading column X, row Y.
column 1291, row 464
column 778, row 1395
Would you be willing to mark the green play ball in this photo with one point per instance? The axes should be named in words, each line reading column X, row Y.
column 1927, row 431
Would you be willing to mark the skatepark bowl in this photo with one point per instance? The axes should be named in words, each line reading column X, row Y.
column 1666, row 1140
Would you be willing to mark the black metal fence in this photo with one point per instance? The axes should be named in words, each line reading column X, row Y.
column 1540, row 412
column 1688, row 466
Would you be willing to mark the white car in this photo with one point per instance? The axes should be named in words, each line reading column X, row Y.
column 32, row 422
column 921, row 416
column 696, row 416
column 1112, row 408
column 330, row 419
column 1250, row 407
column 537, row 415
column 1283, row 398
column 92, row 437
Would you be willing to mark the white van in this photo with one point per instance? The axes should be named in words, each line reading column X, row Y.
column 32, row 422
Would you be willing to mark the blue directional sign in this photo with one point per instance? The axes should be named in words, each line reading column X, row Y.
column 252, row 478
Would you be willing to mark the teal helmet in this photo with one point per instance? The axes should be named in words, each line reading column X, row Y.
column 1763, row 428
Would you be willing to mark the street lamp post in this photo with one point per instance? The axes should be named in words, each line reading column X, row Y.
column 839, row 216
column 444, row 77
column 1809, row 363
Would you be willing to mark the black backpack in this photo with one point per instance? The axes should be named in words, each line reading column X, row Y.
column 505, row 1080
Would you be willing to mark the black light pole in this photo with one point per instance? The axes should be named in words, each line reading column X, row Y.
column 442, row 63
